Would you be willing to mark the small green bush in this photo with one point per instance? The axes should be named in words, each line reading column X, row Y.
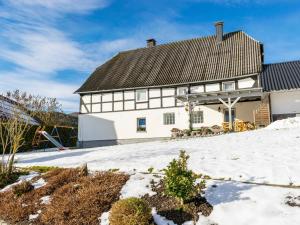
column 180, row 182
column 130, row 211
column 22, row 188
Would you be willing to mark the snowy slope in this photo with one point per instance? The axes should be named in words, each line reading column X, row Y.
column 289, row 123
column 262, row 156
column 270, row 155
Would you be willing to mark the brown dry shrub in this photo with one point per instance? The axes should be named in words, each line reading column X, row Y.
column 15, row 209
column 83, row 201
column 22, row 188
column 130, row 211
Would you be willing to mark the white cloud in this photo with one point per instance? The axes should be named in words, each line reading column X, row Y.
column 66, row 6
column 27, row 81
column 33, row 41
column 44, row 50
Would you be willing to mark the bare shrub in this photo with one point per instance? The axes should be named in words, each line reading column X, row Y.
column 83, row 201
column 130, row 211
column 18, row 111
column 75, row 199
column 22, row 188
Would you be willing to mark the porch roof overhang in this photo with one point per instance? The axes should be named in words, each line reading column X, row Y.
column 214, row 97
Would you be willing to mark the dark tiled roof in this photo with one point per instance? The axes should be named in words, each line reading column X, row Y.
column 195, row 60
column 281, row 76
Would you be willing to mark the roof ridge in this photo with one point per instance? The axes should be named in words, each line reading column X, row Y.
column 284, row 62
column 180, row 41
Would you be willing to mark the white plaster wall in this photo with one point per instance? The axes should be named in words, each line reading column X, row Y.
column 128, row 95
column 86, row 99
column 285, row 102
column 122, row 125
column 168, row 101
column 118, row 106
column 118, row 96
column 155, row 92
column 96, row 97
column 211, row 115
column 212, row 87
column 107, row 97
column 96, row 108
column 244, row 110
column 154, row 103
column 246, row 83
column 197, row 89
column 168, row 91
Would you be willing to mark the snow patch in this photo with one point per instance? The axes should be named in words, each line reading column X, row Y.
column 21, row 179
column 104, row 219
column 289, row 123
column 160, row 220
column 39, row 183
column 138, row 185
column 35, row 216
column 45, row 200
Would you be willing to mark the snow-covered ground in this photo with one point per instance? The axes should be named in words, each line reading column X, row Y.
column 269, row 155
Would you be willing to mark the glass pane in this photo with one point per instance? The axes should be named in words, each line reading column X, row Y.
column 141, row 124
column 228, row 86
column 169, row 118
column 141, row 95
column 226, row 115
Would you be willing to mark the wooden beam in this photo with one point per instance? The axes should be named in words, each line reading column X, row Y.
column 235, row 101
column 230, row 114
column 222, row 95
column 221, row 100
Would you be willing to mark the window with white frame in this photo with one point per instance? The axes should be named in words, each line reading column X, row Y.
column 169, row 118
column 182, row 90
column 141, row 95
column 141, row 125
column 197, row 117
column 228, row 86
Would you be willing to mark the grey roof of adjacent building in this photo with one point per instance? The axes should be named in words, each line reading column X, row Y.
column 181, row 62
column 281, row 76
column 8, row 109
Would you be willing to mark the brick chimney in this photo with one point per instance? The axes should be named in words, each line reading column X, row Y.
column 151, row 42
column 219, row 31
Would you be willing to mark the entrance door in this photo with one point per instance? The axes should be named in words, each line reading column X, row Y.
column 226, row 115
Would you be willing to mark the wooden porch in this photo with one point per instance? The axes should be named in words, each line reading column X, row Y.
column 261, row 114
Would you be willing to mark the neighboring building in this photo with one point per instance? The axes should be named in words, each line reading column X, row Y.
column 282, row 81
column 144, row 93
column 8, row 108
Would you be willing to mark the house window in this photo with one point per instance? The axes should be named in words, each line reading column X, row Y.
column 228, row 86
column 141, row 124
column 226, row 115
column 141, row 95
column 197, row 117
column 169, row 118
column 182, row 91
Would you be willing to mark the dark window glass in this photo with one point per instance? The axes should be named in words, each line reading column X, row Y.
column 141, row 124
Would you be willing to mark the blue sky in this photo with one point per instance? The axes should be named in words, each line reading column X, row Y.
column 49, row 47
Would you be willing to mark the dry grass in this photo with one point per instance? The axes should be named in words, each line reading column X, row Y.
column 130, row 211
column 75, row 198
column 22, row 188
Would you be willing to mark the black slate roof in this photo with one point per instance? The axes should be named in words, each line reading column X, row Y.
column 182, row 62
column 281, row 76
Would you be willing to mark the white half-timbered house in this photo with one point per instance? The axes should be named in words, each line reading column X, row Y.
column 143, row 93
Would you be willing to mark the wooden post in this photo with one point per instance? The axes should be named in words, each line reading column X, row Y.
column 230, row 105
column 230, row 114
